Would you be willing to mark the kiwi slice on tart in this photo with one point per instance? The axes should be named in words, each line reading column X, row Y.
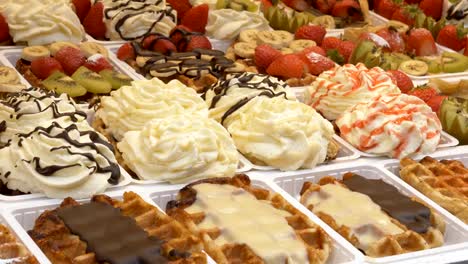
column 61, row 83
column 116, row 79
column 93, row 82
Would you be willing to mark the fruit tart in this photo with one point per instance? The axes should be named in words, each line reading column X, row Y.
column 82, row 71
column 13, row 251
column 382, row 222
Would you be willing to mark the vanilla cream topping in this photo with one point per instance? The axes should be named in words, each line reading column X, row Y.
column 366, row 221
column 395, row 125
column 243, row 219
column 180, row 148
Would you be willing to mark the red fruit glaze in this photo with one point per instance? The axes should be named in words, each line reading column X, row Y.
column 196, row 18
column 311, row 32
column 265, row 55
column 70, row 58
column 94, row 22
column 44, row 67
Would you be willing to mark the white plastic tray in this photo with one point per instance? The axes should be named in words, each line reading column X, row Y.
column 456, row 235
column 342, row 252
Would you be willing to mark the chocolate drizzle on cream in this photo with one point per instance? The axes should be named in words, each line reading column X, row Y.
column 267, row 87
column 55, row 131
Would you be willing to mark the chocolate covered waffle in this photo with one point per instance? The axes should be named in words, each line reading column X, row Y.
column 130, row 231
column 385, row 223
column 239, row 223
column 445, row 182
column 12, row 251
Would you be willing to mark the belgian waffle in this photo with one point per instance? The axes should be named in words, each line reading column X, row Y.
column 54, row 236
column 445, row 182
column 11, row 251
column 316, row 241
column 389, row 244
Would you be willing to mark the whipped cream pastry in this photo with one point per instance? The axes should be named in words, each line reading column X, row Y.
column 133, row 19
column 59, row 161
column 41, row 22
column 266, row 127
column 336, row 90
column 395, row 125
column 243, row 219
column 22, row 112
column 131, row 107
column 180, row 148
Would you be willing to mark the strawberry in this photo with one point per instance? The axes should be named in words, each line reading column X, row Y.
column 421, row 42
column 432, row 8
column 287, row 66
column 345, row 49
column 331, row 43
column 325, row 6
column 312, row 32
column 317, row 63
column 299, row 5
column 181, row 6
column 466, row 49
column 178, row 33
column 164, row 46
column 198, row 42
column 97, row 63
column 435, row 102
column 126, row 52
column 4, row 30
column 149, row 41
column 265, row 55
column 394, row 39
column 405, row 14
column 44, row 67
column 452, row 37
column 315, row 49
column 410, row 2
column 196, row 18
column 425, row 93
column 347, row 8
column 386, row 8
column 401, row 80
column 70, row 58
column 94, row 22
column 82, row 8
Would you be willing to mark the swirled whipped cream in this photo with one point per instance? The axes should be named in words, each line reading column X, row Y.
column 22, row 112
column 336, row 90
column 284, row 134
column 41, row 22
column 232, row 92
column 59, row 161
column 133, row 19
column 180, row 148
column 131, row 107
column 226, row 24
column 395, row 125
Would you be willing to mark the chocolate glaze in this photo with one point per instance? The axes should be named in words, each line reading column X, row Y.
column 64, row 134
column 113, row 237
column 3, row 126
column 415, row 216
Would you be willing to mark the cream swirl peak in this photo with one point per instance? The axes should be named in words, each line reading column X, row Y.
column 133, row 19
column 59, row 161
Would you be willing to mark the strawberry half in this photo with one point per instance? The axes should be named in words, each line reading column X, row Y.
column 402, row 80
column 315, row 49
column 94, row 21
column 405, row 14
column 287, row 66
column 82, row 8
column 97, row 63
column 196, row 18
column 4, row 30
column 198, row 42
column 345, row 49
column 331, row 43
column 70, row 59
column 265, row 55
column 435, row 102
column 317, row 63
column 421, row 42
column 386, row 8
column 425, row 93
column 181, row 6
column 126, row 52
column 44, row 67
column 394, row 39
column 311, row 32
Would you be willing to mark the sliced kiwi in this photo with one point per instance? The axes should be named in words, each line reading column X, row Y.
column 454, row 62
column 280, row 20
column 368, row 53
column 414, row 67
column 239, row 5
column 454, row 118
column 61, row 83
column 92, row 81
column 389, row 62
column 116, row 79
column 434, row 63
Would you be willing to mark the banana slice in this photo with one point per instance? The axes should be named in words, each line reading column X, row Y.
column 270, row 38
column 286, row 36
column 414, row 67
column 8, row 75
column 301, row 44
column 244, row 49
column 91, row 48
column 34, row 52
column 11, row 88
column 287, row 51
column 249, row 35
column 54, row 47
column 325, row 21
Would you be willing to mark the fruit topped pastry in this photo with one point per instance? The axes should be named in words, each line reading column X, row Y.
column 79, row 70
column 125, row 19
column 38, row 22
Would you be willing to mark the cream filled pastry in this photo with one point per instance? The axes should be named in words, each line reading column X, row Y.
column 40, row 22
column 133, row 19
column 22, row 112
column 226, row 24
column 394, row 125
column 180, row 148
column 131, row 107
column 59, row 161
column 336, row 90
